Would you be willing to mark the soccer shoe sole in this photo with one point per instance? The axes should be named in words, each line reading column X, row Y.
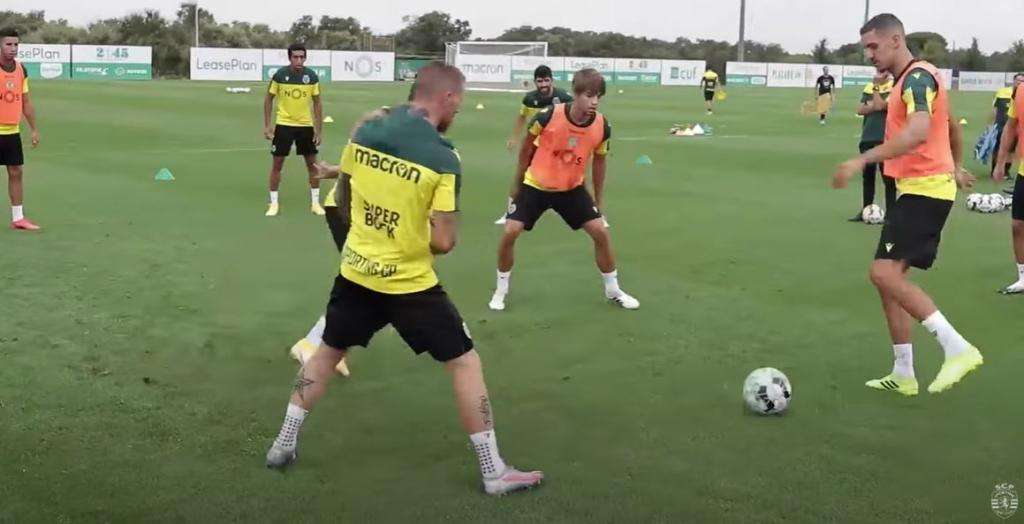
column 976, row 360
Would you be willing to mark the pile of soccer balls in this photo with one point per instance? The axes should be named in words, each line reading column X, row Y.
column 872, row 214
column 993, row 203
column 767, row 391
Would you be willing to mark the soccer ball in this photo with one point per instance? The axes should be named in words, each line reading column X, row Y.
column 988, row 205
column 1000, row 201
column 767, row 391
column 873, row 214
column 973, row 200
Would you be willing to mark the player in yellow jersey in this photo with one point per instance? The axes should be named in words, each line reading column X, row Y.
column 296, row 88
column 400, row 180
column 534, row 102
column 922, row 150
column 552, row 174
column 709, row 86
column 14, row 103
column 1013, row 135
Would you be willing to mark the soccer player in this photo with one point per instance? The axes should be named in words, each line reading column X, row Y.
column 14, row 102
column 1000, row 107
column 709, row 85
column 551, row 174
column 874, row 107
column 295, row 87
column 400, row 182
column 1013, row 134
column 534, row 102
column 825, row 88
column 922, row 151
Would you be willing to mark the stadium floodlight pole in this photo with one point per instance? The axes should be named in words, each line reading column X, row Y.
column 196, row 6
column 867, row 10
column 743, row 18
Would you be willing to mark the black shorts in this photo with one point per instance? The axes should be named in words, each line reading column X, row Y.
column 912, row 230
column 1017, row 209
column 11, row 153
column 336, row 223
column 426, row 320
column 709, row 96
column 285, row 136
column 575, row 206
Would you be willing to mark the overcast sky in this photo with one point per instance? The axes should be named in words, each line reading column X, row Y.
column 796, row 24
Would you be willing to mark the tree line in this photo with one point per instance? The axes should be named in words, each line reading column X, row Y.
column 424, row 35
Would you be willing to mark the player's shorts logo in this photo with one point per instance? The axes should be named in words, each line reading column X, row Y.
column 1004, row 500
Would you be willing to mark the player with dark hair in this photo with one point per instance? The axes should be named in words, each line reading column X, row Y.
column 709, row 86
column 825, row 88
column 539, row 100
column 551, row 175
column 296, row 87
column 874, row 107
column 399, row 189
column 922, row 151
column 15, row 103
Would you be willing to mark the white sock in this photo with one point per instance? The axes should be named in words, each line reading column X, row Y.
column 903, row 365
column 316, row 335
column 953, row 344
column 611, row 284
column 486, row 445
column 1020, row 272
column 273, row 197
column 17, row 213
column 314, row 194
column 288, row 437
column 501, row 288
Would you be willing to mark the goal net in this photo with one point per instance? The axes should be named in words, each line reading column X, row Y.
column 496, row 65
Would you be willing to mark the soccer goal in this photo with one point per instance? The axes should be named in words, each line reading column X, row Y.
column 496, row 65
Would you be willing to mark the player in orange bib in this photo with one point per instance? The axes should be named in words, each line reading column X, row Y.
column 551, row 174
column 922, row 151
column 14, row 102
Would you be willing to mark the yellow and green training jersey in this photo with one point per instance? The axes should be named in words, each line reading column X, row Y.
column 1001, row 103
column 534, row 102
column 709, row 81
column 294, row 92
column 401, row 169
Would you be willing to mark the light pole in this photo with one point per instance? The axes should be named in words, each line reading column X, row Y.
column 196, row 16
column 743, row 43
column 867, row 10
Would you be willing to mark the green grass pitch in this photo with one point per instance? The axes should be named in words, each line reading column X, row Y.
column 143, row 367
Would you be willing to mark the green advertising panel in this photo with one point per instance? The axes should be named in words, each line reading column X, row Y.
column 637, row 78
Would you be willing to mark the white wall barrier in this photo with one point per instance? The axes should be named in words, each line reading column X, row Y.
column 746, row 73
column 214, row 63
column 682, row 72
column 362, row 66
column 981, row 81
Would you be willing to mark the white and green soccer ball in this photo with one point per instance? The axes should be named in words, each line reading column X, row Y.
column 973, row 200
column 872, row 214
column 767, row 391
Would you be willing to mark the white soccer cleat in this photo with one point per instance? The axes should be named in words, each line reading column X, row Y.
column 280, row 457
column 1013, row 289
column 625, row 301
column 501, row 220
column 497, row 302
column 512, row 480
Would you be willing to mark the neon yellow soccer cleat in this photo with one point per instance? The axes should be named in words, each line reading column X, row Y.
column 893, row 382
column 954, row 369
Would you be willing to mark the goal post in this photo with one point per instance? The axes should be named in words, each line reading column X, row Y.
column 495, row 64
